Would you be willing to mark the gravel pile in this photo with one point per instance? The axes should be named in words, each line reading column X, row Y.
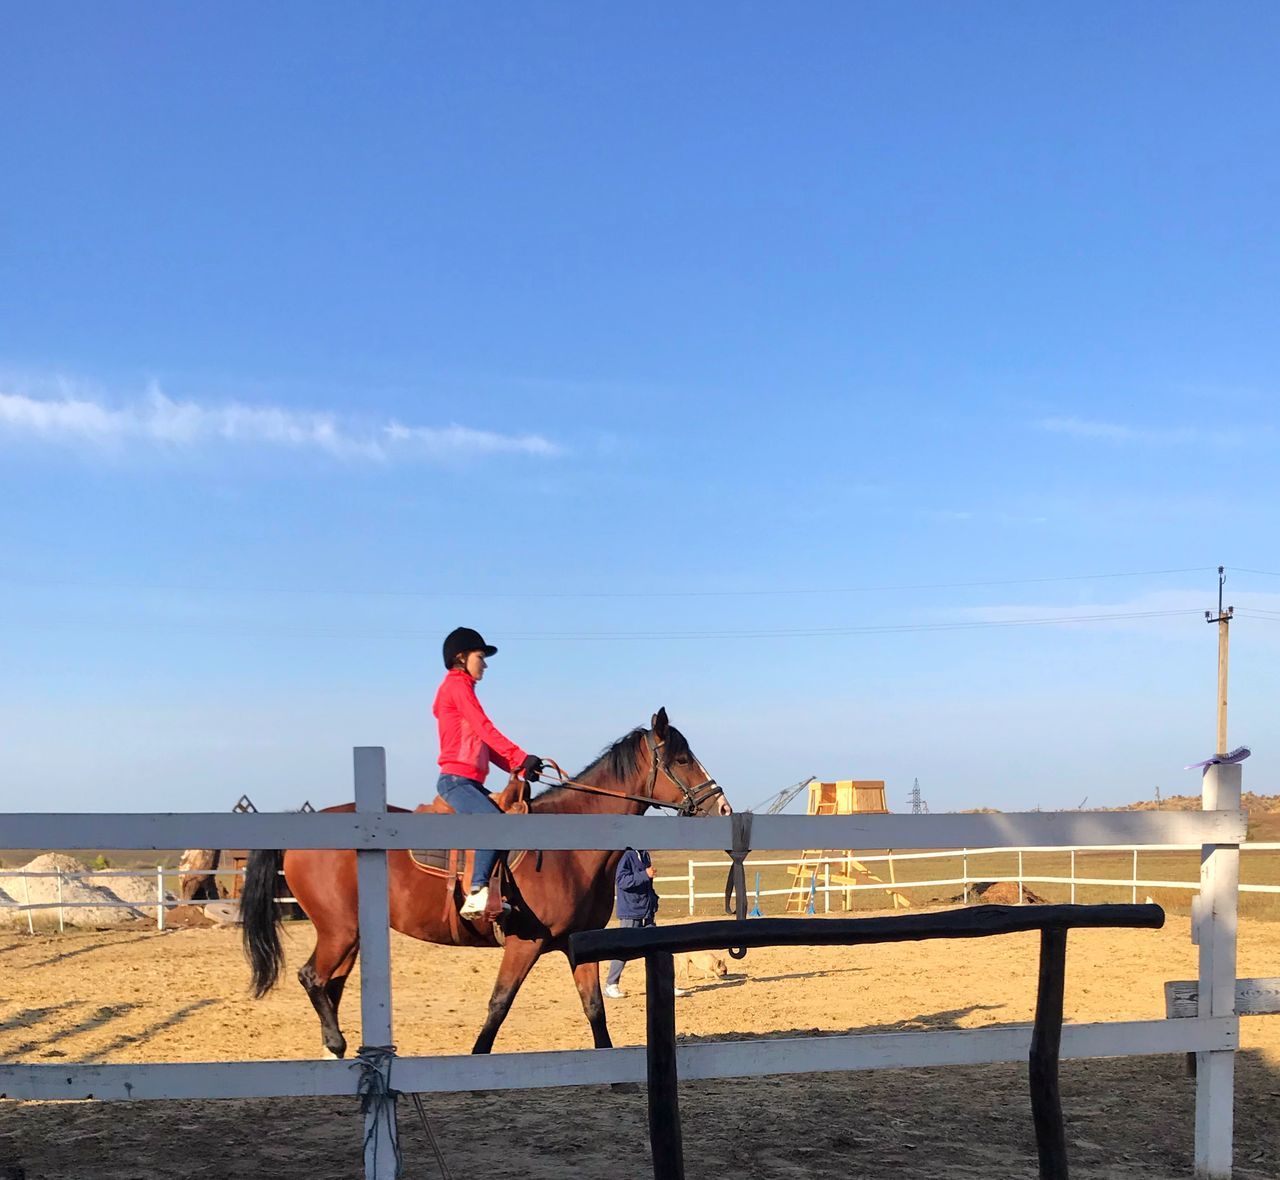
column 99, row 896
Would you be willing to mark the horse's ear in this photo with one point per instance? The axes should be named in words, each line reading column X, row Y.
column 660, row 724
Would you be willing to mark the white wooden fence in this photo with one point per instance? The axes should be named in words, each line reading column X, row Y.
column 370, row 830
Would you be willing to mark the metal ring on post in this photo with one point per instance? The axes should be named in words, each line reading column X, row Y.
column 735, row 886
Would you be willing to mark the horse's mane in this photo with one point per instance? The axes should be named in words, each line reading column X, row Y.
column 621, row 760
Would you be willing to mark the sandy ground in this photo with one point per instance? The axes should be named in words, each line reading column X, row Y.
column 138, row 995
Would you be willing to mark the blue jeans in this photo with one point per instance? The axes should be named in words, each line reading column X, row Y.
column 615, row 967
column 468, row 797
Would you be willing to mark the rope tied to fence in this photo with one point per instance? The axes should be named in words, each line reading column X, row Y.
column 377, row 1098
column 735, row 886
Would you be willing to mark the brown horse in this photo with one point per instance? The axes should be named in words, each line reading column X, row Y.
column 557, row 892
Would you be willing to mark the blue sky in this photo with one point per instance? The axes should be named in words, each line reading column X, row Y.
column 677, row 351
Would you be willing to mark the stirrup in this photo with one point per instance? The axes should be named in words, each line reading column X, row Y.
column 476, row 903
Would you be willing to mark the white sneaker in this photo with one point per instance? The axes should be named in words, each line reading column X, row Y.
column 476, row 903
column 679, row 991
column 614, row 992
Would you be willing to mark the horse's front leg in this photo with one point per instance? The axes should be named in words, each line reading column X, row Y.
column 586, row 976
column 517, row 960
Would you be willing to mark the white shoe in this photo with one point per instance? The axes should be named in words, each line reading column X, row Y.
column 614, row 992
column 476, row 903
column 679, row 991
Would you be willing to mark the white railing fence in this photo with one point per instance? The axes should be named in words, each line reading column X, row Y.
column 161, row 902
column 827, row 867
column 371, row 830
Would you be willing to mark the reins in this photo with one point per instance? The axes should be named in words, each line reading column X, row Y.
column 571, row 784
column 694, row 797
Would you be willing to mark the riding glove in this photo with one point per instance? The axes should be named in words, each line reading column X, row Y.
column 531, row 767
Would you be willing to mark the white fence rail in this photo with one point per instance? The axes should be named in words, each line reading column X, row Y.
column 371, row 830
column 827, row 866
column 161, row 902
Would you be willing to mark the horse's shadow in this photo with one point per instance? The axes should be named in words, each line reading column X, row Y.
column 739, row 978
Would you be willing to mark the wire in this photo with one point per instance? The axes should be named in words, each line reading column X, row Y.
column 553, row 594
column 621, row 636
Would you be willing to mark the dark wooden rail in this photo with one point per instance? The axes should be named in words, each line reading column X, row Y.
column 657, row 944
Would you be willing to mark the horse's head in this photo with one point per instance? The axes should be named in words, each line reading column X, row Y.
column 676, row 776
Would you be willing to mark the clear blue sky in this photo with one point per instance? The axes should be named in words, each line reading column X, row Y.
column 651, row 343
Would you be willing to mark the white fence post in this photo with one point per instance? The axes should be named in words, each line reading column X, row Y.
column 965, row 874
column 1020, row 885
column 691, row 898
column 159, row 897
column 826, row 887
column 61, row 927
column 26, row 894
column 1073, row 876
column 1218, row 915
column 380, row 1138
column 1134, row 899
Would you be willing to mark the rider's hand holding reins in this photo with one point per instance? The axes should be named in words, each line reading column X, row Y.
column 531, row 767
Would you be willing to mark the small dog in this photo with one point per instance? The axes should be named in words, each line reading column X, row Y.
column 704, row 964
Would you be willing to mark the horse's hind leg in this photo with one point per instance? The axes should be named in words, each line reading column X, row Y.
column 517, row 961
column 587, row 978
column 324, row 976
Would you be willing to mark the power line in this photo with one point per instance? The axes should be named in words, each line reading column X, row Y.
column 191, row 588
column 606, row 636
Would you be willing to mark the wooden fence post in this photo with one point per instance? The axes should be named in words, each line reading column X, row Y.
column 380, row 1138
column 1046, row 1041
column 665, row 1135
column 1217, row 917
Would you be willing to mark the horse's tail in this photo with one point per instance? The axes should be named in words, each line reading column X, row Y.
column 260, row 919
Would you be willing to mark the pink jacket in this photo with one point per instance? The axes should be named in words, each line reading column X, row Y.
column 469, row 741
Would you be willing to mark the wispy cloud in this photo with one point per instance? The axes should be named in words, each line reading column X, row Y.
column 1118, row 432
column 161, row 421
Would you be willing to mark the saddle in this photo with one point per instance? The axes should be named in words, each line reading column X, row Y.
column 456, row 864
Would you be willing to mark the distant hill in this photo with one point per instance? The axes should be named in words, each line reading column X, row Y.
column 1255, row 805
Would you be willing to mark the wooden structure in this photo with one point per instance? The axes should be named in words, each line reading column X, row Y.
column 656, row 945
column 842, row 797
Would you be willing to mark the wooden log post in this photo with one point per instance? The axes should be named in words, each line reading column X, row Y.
column 196, row 880
column 1216, row 920
column 665, row 1137
column 1046, row 1042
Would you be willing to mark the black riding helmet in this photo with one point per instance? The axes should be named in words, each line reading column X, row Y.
column 464, row 639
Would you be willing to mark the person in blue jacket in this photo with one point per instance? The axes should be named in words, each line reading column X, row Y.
column 637, row 905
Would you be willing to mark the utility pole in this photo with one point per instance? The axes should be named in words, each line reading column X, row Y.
column 918, row 805
column 1223, row 619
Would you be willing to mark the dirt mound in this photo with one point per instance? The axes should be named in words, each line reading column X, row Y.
column 999, row 893
column 187, row 917
column 88, row 898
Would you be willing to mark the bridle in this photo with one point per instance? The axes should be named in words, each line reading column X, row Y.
column 692, row 797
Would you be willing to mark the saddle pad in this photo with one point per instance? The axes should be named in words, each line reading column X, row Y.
column 436, row 860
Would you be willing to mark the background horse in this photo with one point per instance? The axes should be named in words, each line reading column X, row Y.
column 560, row 892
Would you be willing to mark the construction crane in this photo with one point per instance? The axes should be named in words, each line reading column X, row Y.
column 775, row 803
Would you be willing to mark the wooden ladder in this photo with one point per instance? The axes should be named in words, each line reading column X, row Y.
column 802, row 874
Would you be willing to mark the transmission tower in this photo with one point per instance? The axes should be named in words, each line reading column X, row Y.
column 918, row 805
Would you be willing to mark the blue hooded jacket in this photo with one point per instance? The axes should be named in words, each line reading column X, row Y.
column 637, row 898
